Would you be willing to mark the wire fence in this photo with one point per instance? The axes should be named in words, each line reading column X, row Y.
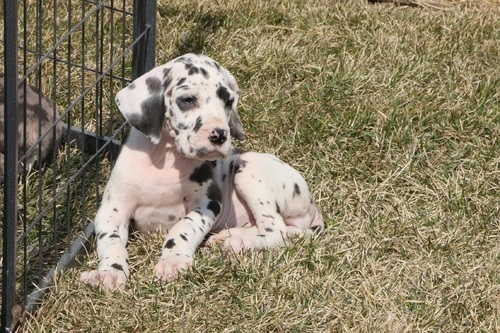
column 59, row 130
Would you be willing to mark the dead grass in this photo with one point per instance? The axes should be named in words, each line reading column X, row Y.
column 392, row 114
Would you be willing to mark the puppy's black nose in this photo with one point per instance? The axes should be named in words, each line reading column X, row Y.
column 218, row 136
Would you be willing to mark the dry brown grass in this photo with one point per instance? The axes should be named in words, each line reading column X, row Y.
column 392, row 114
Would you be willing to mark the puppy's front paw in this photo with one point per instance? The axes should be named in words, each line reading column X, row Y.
column 112, row 279
column 169, row 268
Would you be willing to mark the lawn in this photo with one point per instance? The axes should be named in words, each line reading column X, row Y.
column 392, row 114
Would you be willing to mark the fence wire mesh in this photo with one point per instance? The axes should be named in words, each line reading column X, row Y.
column 68, row 59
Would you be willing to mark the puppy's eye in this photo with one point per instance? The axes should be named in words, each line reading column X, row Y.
column 186, row 102
column 187, row 99
column 229, row 103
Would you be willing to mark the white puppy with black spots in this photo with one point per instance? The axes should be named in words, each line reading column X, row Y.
column 178, row 171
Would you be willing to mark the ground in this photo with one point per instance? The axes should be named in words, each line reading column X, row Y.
column 392, row 115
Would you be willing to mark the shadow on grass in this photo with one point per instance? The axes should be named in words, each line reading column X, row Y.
column 195, row 40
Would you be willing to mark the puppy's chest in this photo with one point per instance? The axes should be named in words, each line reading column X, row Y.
column 157, row 206
column 162, row 198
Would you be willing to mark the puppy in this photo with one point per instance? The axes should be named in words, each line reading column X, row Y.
column 178, row 171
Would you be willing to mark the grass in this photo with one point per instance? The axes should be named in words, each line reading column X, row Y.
column 392, row 114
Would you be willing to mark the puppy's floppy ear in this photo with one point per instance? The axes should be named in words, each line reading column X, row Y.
column 142, row 103
column 235, row 126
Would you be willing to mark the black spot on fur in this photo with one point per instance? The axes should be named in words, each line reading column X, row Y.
column 214, row 193
column 214, row 206
column 101, row 236
column 131, row 86
column 167, row 80
column 154, row 85
column 114, row 235
column 117, row 266
column 198, row 124
column 201, row 174
column 183, row 60
column 201, row 151
column 170, row 244
column 269, row 229
column 204, row 73
column 150, row 121
column 240, row 166
column 237, row 169
column 278, row 210
column 296, row 189
column 193, row 70
column 115, row 210
column 166, row 72
column 181, row 81
column 184, row 237
column 172, row 218
column 223, row 93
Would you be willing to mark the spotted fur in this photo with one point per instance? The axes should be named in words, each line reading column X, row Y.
column 178, row 172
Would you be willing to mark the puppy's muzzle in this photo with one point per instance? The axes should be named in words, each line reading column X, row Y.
column 218, row 136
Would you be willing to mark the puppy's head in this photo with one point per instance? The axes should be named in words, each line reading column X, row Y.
column 190, row 98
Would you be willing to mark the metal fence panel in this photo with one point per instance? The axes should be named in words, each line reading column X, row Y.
column 63, row 64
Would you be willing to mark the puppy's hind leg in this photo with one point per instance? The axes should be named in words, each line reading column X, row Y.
column 221, row 236
column 252, row 185
column 279, row 200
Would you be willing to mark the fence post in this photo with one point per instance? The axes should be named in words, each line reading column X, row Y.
column 144, row 51
column 10, row 162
